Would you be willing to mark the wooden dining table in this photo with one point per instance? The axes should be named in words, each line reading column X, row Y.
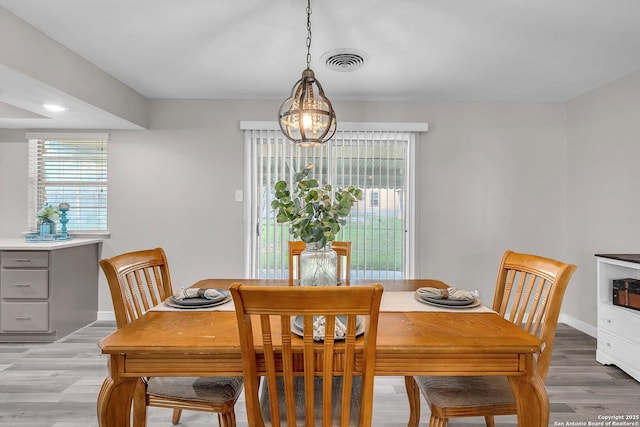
column 411, row 343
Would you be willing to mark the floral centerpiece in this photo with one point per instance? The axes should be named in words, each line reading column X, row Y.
column 316, row 214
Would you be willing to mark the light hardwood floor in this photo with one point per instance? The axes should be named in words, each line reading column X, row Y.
column 56, row 385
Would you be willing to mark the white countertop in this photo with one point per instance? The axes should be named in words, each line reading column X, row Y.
column 19, row 244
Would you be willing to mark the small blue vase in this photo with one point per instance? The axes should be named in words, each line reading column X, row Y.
column 45, row 229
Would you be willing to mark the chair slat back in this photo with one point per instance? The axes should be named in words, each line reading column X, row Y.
column 529, row 293
column 273, row 309
column 138, row 281
column 343, row 250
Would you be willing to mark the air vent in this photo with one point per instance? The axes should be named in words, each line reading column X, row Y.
column 345, row 60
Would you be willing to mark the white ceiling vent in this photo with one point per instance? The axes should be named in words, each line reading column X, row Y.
column 345, row 60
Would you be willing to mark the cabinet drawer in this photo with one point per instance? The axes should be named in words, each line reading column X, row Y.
column 24, row 283
column 620, row 321
column 24, row 316
column 24, row 259
column 620, row 349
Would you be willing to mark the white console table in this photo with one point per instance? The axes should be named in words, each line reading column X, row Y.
column 47, row 289
column 618, row 327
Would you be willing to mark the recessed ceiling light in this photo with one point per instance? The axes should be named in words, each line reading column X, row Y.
column 55, row 108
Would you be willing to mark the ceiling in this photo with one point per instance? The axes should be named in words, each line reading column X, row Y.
column 427, row 50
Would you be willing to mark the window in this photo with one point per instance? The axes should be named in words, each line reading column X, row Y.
column 375, row 198
column 71, row 168
column 380, row 227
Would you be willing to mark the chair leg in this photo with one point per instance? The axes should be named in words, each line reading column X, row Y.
column 228, row 419
column 413, row 394
column 436, row 421
column 140, row 404
column 488, row 419
column 175, row 419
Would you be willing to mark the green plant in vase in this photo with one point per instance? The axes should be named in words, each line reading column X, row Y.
column 316, row 214
column 48, row 215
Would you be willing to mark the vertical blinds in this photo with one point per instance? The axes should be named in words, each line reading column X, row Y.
column 378, row 162
column 72, row 169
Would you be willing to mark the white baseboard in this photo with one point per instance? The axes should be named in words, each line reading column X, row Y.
column 578, row 324
column 107, row 315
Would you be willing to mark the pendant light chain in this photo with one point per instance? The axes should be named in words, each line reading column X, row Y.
column 308, row 33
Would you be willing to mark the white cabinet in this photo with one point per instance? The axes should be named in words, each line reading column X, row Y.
column 618, row 327
column 47, row 292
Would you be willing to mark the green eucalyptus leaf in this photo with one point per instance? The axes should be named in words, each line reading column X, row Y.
column 313, row 212
column 282, row 218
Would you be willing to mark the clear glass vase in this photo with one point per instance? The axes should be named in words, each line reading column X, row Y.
column 318, row 266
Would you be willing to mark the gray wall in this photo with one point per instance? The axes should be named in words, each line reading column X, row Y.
column 490, row 178
column 603, row 171
column 555, row 179
column 13, row 182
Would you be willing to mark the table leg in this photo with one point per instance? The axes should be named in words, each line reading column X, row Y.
column 114, row 400
column 531, row 396
column 413, row 394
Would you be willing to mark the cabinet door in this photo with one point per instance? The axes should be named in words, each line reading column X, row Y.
column 26, row 284
column 25, row 316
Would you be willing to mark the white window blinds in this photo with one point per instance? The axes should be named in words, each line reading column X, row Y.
column 380, row 162
column 69, row 168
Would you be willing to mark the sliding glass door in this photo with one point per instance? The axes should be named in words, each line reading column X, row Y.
column 380, row 226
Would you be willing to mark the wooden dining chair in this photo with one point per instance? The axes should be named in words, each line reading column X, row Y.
column 138, row 281
column 343, row 250
column 529, row 292
column 283, row 354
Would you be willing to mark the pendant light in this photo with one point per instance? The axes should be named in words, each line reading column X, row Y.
column 307, row 117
